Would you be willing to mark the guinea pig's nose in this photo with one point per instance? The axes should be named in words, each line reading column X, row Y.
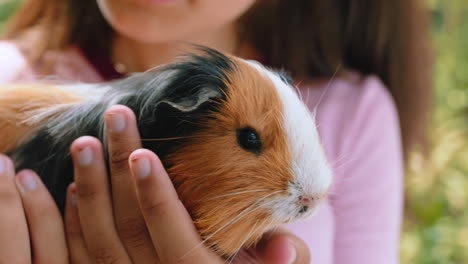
column 306, row 202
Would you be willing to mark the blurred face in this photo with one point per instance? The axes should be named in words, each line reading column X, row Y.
column 152, row 21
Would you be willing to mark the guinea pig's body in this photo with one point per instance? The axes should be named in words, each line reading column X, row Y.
column 242, row 150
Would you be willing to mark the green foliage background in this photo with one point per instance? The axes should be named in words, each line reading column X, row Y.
column 436, row 218
column 6, row 8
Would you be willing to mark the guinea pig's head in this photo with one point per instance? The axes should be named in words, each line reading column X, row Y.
column 246, row 156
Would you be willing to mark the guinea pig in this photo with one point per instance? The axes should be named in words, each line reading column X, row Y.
column 241, row 148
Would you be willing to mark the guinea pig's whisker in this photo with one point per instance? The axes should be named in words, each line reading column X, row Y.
column 341, row 157
column 187, row 121
column 125, row 140
column 298, row 84
column 332, row 194
column 156, row 67
column 233, row 256
column 162, row 139
column 296, row 87
column 273, row 230
column 314, row 112
column 308, row 96
column 232, row 221
column 263, row 225
column 344, row 179
column 243, row 213
column 337, row 167
column 236, row 193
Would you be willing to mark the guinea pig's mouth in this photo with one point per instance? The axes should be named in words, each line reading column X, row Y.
column 306, row 212
column 292, row 208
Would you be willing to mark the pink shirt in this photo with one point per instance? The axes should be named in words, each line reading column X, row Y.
column 357, row 120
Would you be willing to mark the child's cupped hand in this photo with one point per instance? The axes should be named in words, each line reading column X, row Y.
column 140, row 221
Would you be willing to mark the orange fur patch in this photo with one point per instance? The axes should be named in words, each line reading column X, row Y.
column 221, row 184
column 213, row 165
column 19, row 103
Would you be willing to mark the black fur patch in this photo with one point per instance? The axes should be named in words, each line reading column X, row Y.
column 169, row 102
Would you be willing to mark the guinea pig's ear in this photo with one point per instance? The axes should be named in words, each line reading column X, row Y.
column 191, row 99
column 182, row 107
column 181, row 111
column 174, row 100
column 190, row 83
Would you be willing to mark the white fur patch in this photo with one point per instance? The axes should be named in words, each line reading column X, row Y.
column 311, row 173
column 85, row 90
column 99, row 97
column 91, row 93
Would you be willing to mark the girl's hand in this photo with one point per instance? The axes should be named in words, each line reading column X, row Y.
column 142, row 220
column 105, row 229
column 24, row 201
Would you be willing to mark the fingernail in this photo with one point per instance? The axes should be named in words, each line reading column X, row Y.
column 85, row 156
column 115, row 122
column 292, row 252
column 3, row 165
column 28, row 181
column 142, row 167
column 6, row 167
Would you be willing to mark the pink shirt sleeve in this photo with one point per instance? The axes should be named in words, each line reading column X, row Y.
column 367, row 196
column 69, row 66
column 12, row 62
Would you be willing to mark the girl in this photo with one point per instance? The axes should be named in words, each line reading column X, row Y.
column 377, row 48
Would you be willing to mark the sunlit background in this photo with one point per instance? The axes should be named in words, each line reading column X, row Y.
column 436, row 219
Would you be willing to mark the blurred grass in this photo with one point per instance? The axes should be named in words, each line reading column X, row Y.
column 436, row 214
column 6, row 8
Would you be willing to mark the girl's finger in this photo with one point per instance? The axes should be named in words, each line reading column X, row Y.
column 14, row 238
column 75, row 240
column 45, row 222
column 123, row 138
column 279, row 246
column 171, row 228
column 94, row 202
column 285, row 248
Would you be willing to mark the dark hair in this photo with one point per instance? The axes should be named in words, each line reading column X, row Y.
column 309, row 38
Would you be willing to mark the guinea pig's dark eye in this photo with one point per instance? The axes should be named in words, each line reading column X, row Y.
column 249, row 140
